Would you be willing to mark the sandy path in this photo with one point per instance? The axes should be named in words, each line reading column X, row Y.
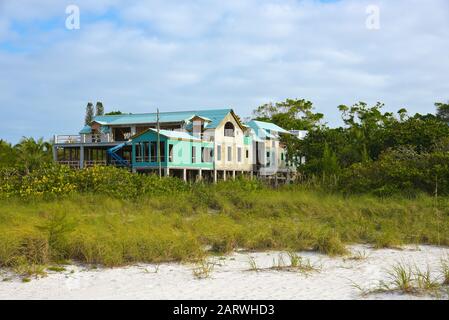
column 230, row 280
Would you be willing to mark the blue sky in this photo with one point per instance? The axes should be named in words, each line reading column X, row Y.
column 179, row 55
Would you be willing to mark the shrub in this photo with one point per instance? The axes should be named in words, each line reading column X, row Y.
column 400, row 171
column 58, row 180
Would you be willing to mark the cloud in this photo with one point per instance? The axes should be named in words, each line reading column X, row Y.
column 136, row 56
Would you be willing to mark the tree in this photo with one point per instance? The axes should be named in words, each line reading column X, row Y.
column 89, row 114
column 7, row 155
column 330, row 162
column 32, row 153
column 113, row 113
column 366, row 128
column 99, row 109
column 291, row 114
column 442, row 111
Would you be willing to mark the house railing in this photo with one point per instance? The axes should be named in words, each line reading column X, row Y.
column 67, row 139
column 142, row 159
column 120, row 163
column 71, row 163
column 84, row 138
column 103, row 138
column 96, row 138
column 94, row 163
column 87, row 163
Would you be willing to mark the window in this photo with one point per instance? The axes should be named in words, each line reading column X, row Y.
column 170, row 153
column 153, row 151
column 206, row 154
column 282, row 156
column 229, row 153
column 247, row 154
column 122, row 134
column 218, row 153
column 239, row 154
column 138, row 148
column 193, row 154
column 162, row 148
column 229, row 129
column 146, row 151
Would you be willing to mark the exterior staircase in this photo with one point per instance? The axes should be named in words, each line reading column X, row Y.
column 118, row 161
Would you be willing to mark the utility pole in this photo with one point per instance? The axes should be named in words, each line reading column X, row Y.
column 159, row 145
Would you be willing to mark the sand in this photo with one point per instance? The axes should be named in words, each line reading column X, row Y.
column 229, row 279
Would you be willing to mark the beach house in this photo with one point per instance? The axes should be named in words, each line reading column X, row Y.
column 192, row 145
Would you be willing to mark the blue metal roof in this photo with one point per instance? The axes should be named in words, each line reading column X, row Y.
column 86, row 130
column 215, row 116
column 266, row 126
column 176, row 134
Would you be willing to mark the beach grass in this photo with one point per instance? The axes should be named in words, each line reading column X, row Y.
column 100, row 229
column 408, row 279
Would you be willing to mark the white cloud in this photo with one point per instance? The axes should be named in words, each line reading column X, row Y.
column 179, row 55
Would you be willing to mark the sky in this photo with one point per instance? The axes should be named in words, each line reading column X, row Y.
column 136, row 56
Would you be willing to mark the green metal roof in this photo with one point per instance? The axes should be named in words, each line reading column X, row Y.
column 215, row 117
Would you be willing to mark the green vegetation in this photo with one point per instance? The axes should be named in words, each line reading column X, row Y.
column 296, row 264
column 375, row 152
column 89, row 114
column 52, row 181
column 26, row 156
column 382, row 179
column 177, row 222
column 203, row 269
column 56, row 269
column 405, row 278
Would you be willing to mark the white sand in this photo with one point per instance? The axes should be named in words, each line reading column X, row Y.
column 231, row 280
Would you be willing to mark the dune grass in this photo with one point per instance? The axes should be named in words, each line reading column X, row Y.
column 408, row 279
column 102, row 230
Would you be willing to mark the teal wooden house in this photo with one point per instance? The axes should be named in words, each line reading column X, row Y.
column 179, row 152
column 201, row 144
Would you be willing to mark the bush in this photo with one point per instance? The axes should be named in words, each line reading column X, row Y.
column 401, row 171
column 57, row 180
column 49, row 180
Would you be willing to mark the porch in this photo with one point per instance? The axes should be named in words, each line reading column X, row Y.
column 79, row 156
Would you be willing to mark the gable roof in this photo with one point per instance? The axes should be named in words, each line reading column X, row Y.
column 215, row 117
column 263, row 130
column 86, row 130
column 169, row 134
column 266, row 126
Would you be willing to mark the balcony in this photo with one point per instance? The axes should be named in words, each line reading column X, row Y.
column 84, row 138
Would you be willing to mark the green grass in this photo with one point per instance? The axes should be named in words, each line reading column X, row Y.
column 102, row 230
column 203, row 269
column 56, row 269
column 253, row 264
column 407, row 279
column 296, row 263
column 445, row 270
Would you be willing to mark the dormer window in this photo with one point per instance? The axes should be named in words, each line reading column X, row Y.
column 229, row 130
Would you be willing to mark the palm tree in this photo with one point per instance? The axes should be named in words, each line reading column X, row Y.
column 32, row 153
column 7, row 154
